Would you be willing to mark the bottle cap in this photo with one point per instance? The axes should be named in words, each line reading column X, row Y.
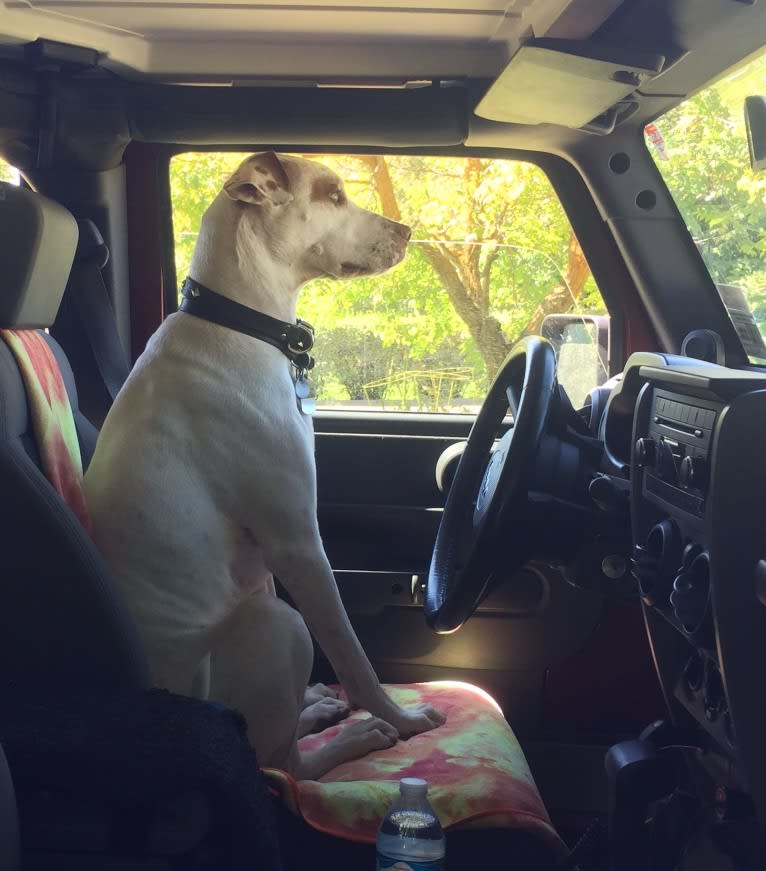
column 413, row 785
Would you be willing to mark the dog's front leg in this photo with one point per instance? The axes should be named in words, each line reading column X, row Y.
column 309, row 580
column 280, row 516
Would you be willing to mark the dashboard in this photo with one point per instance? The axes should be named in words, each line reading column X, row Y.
column 685, row 441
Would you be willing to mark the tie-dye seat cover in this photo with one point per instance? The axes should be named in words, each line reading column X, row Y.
column 475, row 768
column 52, row 419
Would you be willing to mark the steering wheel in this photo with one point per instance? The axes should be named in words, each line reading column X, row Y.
column 489, row 485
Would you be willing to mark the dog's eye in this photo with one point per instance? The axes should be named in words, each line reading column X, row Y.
column 337, row 197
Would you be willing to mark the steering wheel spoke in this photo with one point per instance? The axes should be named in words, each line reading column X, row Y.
column 513, row 400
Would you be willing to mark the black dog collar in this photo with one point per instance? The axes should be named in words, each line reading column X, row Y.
column 293, row 340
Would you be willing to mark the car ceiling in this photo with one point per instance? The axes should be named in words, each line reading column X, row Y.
column 346, row 73
column 347, row 39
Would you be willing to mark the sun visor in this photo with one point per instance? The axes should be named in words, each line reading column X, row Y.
column 428, row 116
column 565, row 82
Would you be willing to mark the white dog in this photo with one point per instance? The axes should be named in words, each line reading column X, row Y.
column 203, row 482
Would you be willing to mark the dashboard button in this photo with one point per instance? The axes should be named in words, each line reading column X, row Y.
column 646, row 452
column 692, row 472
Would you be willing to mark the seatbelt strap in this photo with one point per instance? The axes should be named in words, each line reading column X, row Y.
column 94, row 307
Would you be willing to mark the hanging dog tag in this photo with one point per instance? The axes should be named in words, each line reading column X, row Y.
column 306, row 394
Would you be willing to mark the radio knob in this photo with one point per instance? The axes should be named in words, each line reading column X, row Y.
column 693, row 472
column 646, row 452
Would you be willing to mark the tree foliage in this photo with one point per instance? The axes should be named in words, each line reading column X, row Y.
column 707, row 170
column 8, row 173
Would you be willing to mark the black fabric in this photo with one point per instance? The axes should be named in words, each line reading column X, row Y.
column 62, row 620
column 173, row 777
column 95, row 309
column 91, row 247
column 9, row 823
column 86, row 327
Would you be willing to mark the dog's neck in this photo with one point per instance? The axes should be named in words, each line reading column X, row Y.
column 241, row 265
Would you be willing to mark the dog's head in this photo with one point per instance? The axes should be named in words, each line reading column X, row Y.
column 300, row 208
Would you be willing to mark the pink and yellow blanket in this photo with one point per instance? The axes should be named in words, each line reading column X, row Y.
column 52, row 419
column 476, row 770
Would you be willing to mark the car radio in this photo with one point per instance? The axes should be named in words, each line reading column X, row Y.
column 675, row 451
column 697, row 496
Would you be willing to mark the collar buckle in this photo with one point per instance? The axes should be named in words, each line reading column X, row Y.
column 299, row 337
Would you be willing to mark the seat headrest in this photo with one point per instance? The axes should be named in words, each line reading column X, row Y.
column 38, row 238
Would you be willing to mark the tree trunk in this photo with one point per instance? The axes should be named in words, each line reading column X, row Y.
column 471, row 307
column 564, row 296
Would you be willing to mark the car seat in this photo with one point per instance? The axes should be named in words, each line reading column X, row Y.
column 86, row 736
column 108, row 772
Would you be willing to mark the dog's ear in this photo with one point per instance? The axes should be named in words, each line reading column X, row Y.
column 261, row 177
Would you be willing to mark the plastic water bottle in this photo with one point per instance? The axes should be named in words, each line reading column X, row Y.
column 411, row 838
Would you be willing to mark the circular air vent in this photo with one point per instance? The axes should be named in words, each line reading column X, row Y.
column 690, row 599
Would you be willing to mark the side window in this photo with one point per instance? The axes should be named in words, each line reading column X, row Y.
column 700, row 148
column 8, row 173
column 492, row 258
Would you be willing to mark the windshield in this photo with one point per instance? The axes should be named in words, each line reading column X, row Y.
column 701, row 150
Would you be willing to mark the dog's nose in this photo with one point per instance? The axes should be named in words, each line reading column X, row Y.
column 404, row 231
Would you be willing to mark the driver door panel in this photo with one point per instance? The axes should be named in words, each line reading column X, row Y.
column 379, row 510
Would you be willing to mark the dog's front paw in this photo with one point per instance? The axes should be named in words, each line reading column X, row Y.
column 417, row 719
column 320, row 714
column 371, row 733
column 316, row 692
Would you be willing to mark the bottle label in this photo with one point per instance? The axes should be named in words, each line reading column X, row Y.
column 388, row 862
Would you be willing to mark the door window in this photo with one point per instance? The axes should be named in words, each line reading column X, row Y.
column 8, row 173
column 492, row 256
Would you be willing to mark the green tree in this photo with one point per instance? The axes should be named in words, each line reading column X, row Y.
column 359, row 360
column 475, row 223
column 721, row 200
column 707, row 170
column 195, row 180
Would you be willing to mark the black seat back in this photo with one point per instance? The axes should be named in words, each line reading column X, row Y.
column 9, row 822
column 63, row 623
